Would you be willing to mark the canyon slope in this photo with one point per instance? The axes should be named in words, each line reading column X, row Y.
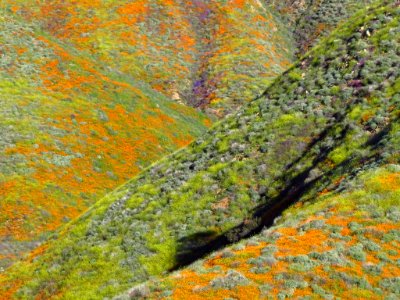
column 321, row 145
column 93, row 92
column 70, row 133
column 208, row 54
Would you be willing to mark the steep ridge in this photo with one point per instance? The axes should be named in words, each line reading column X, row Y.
column 70, row 133
column 242, row 48
column 341, row 245
column 310, row 20
column 198, row 52
column 331, row 117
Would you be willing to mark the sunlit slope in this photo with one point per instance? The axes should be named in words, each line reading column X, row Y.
column 333, row 115
column 340, row 245
column 204, row 53
column 69, row 133
column 311, row 20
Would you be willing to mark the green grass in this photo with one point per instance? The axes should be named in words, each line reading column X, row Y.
column 71, row 132
column 355, row 259
column 215, row 55
column 313, row 20
column 302, row 139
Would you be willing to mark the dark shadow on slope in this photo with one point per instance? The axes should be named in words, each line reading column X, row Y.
column 194, row 247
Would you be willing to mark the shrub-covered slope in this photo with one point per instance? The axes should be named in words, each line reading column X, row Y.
column 198, row 52
column 310, row 20
column 342, row 245
column 69, row 133
column 333, row 115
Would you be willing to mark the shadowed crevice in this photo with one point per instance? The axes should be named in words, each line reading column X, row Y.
column 201, row 244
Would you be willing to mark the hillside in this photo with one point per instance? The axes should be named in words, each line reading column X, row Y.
column 70, row 133
column 326, row 131
column 340, row 245
column 209, row 54
column 310, row 20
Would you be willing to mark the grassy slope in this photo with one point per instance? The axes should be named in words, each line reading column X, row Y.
column 330, row 117
column 70, row 133
column 199, row 51
column 343, row 245
column 310, row 20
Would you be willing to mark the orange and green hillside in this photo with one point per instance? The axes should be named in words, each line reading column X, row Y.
column 336, row 246
column 322, row 140
column 200, row 52
column 91, row 93
column 70, row 133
